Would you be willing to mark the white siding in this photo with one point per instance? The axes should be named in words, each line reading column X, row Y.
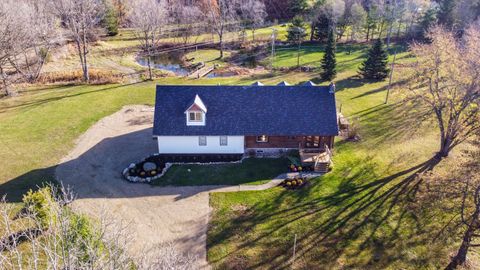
column 189, row 145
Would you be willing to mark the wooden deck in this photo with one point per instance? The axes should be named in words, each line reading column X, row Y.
column 320, row 159
column 312, row 157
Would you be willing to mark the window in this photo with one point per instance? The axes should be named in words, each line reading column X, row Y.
column 195, row 117
column 262, row 139
column 223, row 141
column 202, row 140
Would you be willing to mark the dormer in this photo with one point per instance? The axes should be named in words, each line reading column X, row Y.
column 196, row 112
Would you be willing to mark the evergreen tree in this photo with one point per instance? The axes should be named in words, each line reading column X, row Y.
column 296, row 31
column 322, row 28
column 329, row 62
column 297, row 7
column 110, row 20
column 446, row 14
column 427, row 21
column 375, row 66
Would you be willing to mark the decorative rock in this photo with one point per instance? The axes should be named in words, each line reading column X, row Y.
column 149, row 166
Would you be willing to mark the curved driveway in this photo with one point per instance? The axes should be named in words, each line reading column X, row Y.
column 156, row 214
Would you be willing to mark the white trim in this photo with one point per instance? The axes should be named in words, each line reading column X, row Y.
column 190, row 145
column 195, row 123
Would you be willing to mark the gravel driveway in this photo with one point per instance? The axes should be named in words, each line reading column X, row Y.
column 156, row 214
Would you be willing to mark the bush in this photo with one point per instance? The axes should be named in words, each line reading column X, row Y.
column 96, row 76
column 41, row 204
column 352, row 132
column 82, row 234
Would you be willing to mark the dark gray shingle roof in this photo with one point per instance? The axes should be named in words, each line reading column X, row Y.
column 247, row 110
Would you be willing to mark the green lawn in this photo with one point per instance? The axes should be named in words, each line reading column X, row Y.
column 252, row 171
column 359, row 216
column 39, row 126
column 349, row 57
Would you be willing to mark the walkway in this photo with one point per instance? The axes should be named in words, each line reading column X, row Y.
column 156, row 214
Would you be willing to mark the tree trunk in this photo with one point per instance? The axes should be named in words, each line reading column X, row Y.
column 86, row 76
column 4, row 81
column 389, row 34
column 368, row 32
column 445, row 146
column 312, row 30
column 149, row 63
column 221, row 46
column 461, row 256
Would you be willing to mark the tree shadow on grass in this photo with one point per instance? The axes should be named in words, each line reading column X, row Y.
column 53, row 99
column 326, row 224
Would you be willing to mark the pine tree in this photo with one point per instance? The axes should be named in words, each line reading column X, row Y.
column 427, row 21
column 110, row 20
column 296, row 31
column 329, row 62
column 446, row 14
column 375, row 66
column 322, row 27
column 297, row 6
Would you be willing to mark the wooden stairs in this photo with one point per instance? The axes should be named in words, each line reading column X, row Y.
column 321, row 161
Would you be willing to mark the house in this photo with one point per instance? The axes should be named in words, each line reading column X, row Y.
column 256, row 120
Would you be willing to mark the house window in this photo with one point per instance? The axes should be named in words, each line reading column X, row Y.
column 202, row 140
column 223, row 141
column 262, row 139
column 195, row 116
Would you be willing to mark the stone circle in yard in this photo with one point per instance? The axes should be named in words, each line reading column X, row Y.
column 149, row 166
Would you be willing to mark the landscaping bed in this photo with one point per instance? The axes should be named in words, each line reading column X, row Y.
column 294, row 183
column 155, row 166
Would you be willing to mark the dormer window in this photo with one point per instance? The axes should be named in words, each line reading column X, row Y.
column 195, row 116
column 196, row 112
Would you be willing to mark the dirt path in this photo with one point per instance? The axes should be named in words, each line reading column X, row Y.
column 156, row 214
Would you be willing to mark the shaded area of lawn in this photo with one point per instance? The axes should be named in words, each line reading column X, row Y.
column 359, row 216
column 351, row 218
column 252, row 171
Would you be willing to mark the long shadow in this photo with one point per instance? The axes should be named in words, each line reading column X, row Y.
column 52, row 99
column 96, row 173
column 381, row 89
column 338, row 217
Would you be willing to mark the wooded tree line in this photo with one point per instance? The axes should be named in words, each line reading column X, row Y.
column 30, row 29
column 371, row 19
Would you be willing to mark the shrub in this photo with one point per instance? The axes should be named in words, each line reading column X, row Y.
column 352, row 132
column 81, row 233
column 41, row 204
column 96, row 76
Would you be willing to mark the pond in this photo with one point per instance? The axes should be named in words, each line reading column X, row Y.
column 169, row 62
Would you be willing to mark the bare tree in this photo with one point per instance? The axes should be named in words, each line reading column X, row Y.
column 457, row 192
column 148, row 17
column 446, row 78
column 14, row 37
column 43, row 34
column 222, row 16
column 187, row 18
column 357, row 20
column 53, row 236
column 80, row 17
column 252, row 15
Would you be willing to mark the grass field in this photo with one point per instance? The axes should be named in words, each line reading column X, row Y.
column 357, row 216
column 252, row 171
